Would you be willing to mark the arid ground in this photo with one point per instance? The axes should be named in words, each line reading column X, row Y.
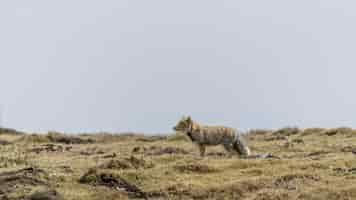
column 305, row 164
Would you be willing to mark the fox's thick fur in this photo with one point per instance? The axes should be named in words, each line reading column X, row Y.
column 213, row 135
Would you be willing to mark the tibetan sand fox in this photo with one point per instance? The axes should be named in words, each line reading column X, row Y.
column 213, row 135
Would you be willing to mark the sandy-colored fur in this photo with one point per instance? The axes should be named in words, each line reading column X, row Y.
column 213, row 135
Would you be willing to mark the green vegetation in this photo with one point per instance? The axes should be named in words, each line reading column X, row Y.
column 312, row 163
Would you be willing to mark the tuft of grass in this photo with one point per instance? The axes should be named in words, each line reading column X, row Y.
column 312, row 131
column 195, row 168
column 97, row 177
column 287, row 131
column 340, row 131
column 177, row 137
column 259, row 131
column 55, row 137
column 127, row 163
column 34, row 138
column 111, row 137
column 312, row 165
column 9, row 131
column 153, row 138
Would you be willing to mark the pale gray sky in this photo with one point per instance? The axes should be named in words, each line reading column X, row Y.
column 87, row 65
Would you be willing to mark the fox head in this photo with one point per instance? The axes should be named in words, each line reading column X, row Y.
column 184, row 124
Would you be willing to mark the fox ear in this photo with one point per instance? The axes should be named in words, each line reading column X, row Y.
column 189, row 119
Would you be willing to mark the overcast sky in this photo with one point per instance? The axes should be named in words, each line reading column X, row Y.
column 84, row 65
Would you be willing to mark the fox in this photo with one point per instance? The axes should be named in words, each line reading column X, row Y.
column 203, row 136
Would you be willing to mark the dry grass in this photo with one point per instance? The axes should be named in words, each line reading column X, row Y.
column 314, row 164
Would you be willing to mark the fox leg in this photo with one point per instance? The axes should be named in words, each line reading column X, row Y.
column 229, row 148
column 240, row 146
column 202, row 150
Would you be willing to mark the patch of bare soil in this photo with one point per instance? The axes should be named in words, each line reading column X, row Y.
column 196, row 168
column 95, row 178
column 158, row 150
column 46, row 195
column 127, row 163
column 20, row 180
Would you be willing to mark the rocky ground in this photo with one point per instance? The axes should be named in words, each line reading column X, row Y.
column 303, row 164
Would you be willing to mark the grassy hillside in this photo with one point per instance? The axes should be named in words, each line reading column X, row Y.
column 308, row 164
